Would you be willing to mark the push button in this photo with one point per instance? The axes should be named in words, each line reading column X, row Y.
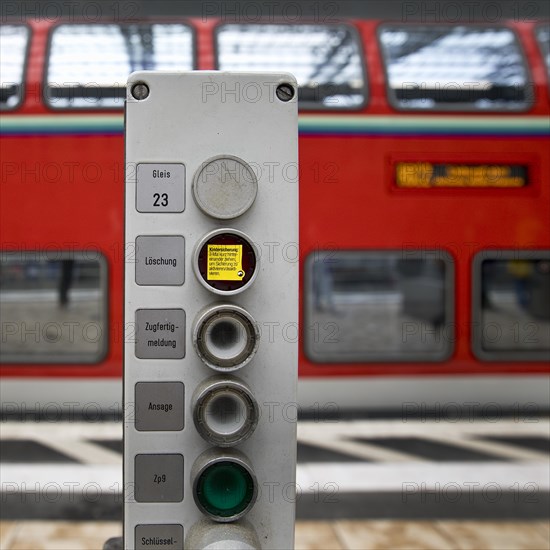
column 160, row 260
column 225, row 187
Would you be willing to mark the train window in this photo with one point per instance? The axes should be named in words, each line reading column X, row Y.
column 14, row 41
column 54, row 307
column 366, row 306
column 543, row 37
column 455, row 68
column 511, row 297
column 326, row 59
column 88, row 65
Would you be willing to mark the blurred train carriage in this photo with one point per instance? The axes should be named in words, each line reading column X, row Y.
column 424, row 196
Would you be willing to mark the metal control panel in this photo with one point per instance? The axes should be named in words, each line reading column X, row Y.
column 211, row 310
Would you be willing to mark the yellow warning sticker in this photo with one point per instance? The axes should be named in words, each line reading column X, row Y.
column 225, row 262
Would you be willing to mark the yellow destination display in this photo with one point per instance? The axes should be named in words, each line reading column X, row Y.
column 427, row 175
column 225, row 262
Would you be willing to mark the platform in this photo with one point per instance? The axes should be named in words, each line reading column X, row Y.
column 310, row 535
column 362, row 483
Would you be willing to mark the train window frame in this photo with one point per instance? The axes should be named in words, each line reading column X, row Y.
column 69, row 360
column 546, row 65
column 309, row 105
column 437, row 356
column 21, row 98
column 459, row 107
column 114, row 108
column 508, row 355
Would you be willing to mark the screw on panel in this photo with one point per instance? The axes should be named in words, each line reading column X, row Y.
column 140, row 91
column 285, row 92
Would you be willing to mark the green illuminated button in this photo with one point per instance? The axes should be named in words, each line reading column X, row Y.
column 225, row 489
column 224, row 485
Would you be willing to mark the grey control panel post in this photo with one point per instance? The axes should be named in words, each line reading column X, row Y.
column 211, row 310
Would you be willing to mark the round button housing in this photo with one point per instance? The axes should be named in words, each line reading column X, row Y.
column 225, row 337
column 224, row 411
column 225, row 187
column 224, row 485
column 226, row 261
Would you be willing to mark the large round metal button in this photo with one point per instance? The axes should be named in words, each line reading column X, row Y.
column 225, row 187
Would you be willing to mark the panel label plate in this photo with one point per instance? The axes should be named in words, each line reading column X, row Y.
column 159, row 406
column 160, row 333
column 159, row 478
column 158, row 537
column 160, row 260
column 160, row 188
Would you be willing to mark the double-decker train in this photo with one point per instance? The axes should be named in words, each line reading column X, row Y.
column 424, row 205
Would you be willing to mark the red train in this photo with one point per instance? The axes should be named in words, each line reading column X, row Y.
column 424, row 197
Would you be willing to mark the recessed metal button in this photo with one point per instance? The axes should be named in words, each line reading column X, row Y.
column 225, row 187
